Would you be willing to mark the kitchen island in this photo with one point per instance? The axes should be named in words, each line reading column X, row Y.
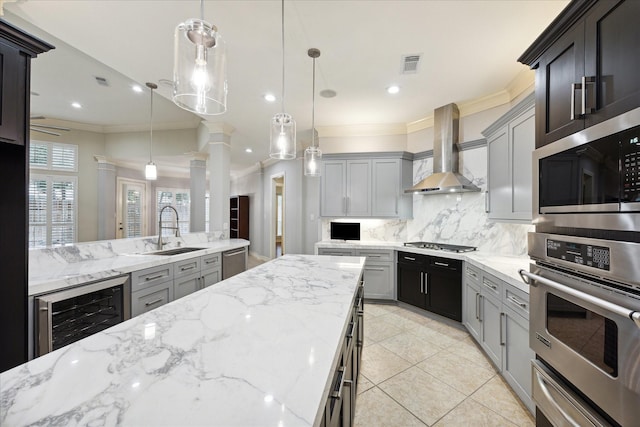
column 260, row 348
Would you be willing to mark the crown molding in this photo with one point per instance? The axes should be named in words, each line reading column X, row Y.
column 362, row 130
column 256, row 167
column 218, row 127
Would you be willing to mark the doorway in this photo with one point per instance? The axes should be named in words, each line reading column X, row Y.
column 278, row 215
column 131, row 214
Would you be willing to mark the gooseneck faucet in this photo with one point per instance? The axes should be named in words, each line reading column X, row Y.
column 161, row 227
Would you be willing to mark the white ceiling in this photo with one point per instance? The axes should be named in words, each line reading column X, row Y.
column 469, row 51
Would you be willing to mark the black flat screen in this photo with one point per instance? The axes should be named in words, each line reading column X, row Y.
column 345, row 231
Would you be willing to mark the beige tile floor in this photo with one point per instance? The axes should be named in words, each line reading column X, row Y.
column 419, row 371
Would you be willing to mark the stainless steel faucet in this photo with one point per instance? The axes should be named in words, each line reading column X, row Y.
column 161, row 227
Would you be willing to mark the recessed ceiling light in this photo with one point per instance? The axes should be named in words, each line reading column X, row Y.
column 248, row 150
column 328, row 93
column 393, row 89
column 269, row 97
column 76, row 105
column 137, row 88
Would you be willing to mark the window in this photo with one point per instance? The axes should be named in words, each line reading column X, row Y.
column 180, row 200
column 53, row 156
column 53, row 194
column 52, row 210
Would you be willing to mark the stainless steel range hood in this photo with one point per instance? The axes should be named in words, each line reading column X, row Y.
column 445, row 177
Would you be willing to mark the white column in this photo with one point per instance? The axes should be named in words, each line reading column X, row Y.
column 198, row 189
column 107, row 199
column 218, row 137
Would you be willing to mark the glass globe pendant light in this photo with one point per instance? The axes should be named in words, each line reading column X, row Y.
column 283, row 127
column 199, row 67
column 150, row 170
column 313, row 155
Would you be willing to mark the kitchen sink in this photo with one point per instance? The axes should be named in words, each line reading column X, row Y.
column 176, row 251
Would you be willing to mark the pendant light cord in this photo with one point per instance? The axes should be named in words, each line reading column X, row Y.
column 151, row 124
column 313, row 106
column 283, row 56
column 202, row 10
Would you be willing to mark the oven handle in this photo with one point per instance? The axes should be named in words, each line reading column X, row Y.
column 530, row 279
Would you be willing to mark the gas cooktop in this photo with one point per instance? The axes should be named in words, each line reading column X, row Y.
column 441, row 246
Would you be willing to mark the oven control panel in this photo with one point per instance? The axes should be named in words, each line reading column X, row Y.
column 630, row 147
column 577, row 253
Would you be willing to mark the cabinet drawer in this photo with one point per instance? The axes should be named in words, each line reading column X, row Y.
column 492, row 286
column 151, row 297
column 517, row 300
column 210, row 262
column 472, row 274
column 336, row 251
column 376, row 255
column 151, row 276
column 211, row 277
column 186, row 267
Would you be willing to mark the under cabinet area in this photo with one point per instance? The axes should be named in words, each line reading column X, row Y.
column 379, row 270
column 583, row 74
column 496, row 314
column 159, row 285
column 366, row 185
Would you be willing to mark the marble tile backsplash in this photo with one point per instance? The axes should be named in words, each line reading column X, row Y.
column 449, row 218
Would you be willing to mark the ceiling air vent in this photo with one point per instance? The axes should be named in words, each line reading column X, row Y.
column 410, row 64
column 102, row 81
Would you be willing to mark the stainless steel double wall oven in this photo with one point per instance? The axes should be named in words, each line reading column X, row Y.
column 585, row 276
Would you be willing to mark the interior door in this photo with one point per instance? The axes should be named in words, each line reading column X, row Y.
column 132, row 218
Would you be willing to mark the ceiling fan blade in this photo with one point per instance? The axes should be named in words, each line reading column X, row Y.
column 35, row 129
column 50, row 127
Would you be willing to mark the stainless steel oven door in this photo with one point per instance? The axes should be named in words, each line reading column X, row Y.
column 589, row 334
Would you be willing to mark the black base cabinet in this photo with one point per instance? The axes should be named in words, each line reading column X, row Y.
column 431, row 283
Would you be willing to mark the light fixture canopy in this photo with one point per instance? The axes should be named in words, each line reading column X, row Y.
column 313, row 155
column 199, row 67
column 283, row 127
column 150, row 170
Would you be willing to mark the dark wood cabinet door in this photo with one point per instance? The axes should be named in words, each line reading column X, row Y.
column 13, row 86
column 410, row 285
column 612, row 58
column 560, row 67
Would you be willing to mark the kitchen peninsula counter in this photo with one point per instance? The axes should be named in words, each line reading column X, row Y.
column 259, row 348
column 57, row 268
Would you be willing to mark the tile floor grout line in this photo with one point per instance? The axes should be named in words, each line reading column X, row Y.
column 403, row 407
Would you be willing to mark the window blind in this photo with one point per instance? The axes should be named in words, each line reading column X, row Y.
column 180, row 200
column 52, row 210
column 53, row 156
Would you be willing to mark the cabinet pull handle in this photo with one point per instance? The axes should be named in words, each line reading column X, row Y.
column 187, row 268
column 350, row 333
column 517, row 302
column 480, row 308
column 155, row 301
column 154, row 277
column 409, row 258
column 472, row 274
column 574, row 86
column 490, row 285
column 441, row 264
column 374, row 269
column 337, row 394
column 422, row 282
column 501, row 333
column 374, row 256
column 585, row 81
column 426, row 283
column 477, row 307
column 486, row 202
column 211, row 261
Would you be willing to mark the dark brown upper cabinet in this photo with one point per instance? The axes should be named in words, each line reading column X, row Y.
column 587, row 64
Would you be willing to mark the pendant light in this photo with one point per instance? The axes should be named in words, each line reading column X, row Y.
column 199, row 67
column 150, row 170
column 313, row 155
column 283, row 127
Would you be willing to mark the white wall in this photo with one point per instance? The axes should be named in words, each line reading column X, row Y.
column 251, row 184
column 127, row 145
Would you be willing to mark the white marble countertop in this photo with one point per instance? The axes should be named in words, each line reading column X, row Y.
column 504, row 267
column 57, row 269
column 259, row 348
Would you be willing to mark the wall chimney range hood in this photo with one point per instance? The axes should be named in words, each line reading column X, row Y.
column 445, row 178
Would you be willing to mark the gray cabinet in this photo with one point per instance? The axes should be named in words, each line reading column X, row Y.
column 379, row 270
column 510, row 143
column 155, row 286
column 366, row 185
column 496, row 315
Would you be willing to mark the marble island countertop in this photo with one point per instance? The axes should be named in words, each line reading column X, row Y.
column 54, row 269
column 256, row 349
column 505, row 267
